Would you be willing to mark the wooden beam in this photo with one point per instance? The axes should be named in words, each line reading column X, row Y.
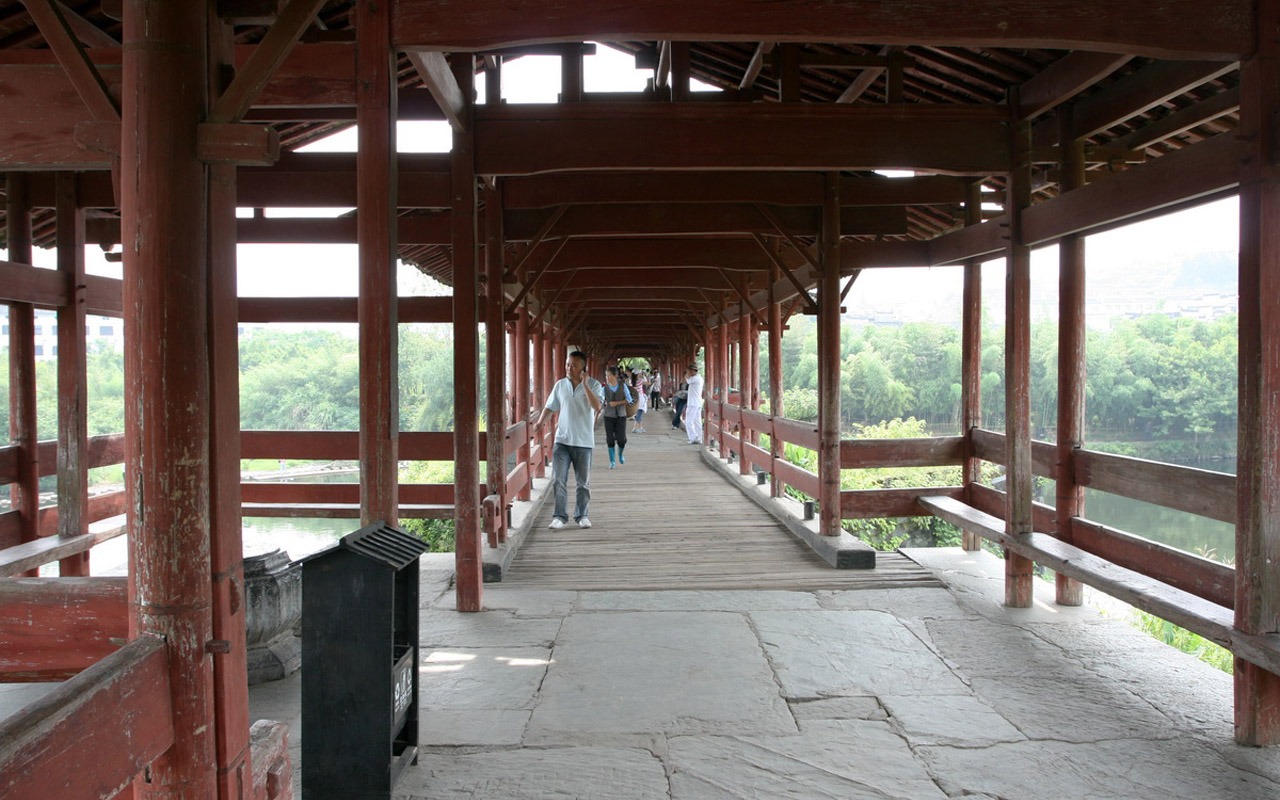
column 54, row 628
column 1131, row 95
column 58, row 746
column 237, row 145
column 1225, row 102
column 79, row 69
column 267, row 57
column 774, row 188
column 689, row 219
column 1065, row 78
column 433, row 70
column 1086, row 24
column 752, row 71
column 520, row 140
column 86, row 32
column 863, row 82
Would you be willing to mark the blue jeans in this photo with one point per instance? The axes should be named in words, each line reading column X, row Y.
column 580, row 457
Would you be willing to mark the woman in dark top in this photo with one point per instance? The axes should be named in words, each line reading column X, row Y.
column 616, row 399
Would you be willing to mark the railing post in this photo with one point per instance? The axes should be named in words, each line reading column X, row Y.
column 776, row 409
column 24, row 493
column 495, row 362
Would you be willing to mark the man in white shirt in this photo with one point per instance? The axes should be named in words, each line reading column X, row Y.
column 578, row 398
column 693, row 405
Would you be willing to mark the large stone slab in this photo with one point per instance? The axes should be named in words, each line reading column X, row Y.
column 981, row 646
column 476, row 727
column 1080, row 708
column 576, row 772
column 850, row 760
column 949, row 719
column 1185, row 768
column 489, row 678
column 923, row 603
column 484, row 629
column 835, row 653
column 521, row 602
column 619, row 675
column 696, row 601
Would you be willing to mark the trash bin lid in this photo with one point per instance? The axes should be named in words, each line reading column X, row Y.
column 382, row 543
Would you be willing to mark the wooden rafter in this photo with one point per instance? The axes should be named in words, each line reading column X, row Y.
column 265, row 60
column 433, row 69
column 80, row 70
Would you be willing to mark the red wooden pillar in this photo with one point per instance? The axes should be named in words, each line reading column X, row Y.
column 231, row 691
column 541, row 366
column 829, row 361
column 466, row 356
column 724, row 377
column 164, row 227
column 776, row 408
column 1257, row 608
column 744, row 380
column 1018, row 575
column 376, row 238
column 73, row 416
column 1069, row 496
column 24, row 493
column 495, row 363
column 521, row 389
column 971, row 359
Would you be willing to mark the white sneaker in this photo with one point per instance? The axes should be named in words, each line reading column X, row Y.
column 584, row 523
column 556, row 524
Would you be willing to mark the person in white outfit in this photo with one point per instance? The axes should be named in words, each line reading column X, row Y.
column 693, row 405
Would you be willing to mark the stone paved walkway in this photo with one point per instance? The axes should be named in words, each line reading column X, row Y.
column 902, row 693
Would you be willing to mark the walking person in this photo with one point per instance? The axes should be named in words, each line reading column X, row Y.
column 577, row 398
column 642, row 405
column 693, row 405
column 655, row 390
column 616, row 399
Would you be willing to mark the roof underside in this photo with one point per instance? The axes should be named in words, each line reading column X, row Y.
column 638, row 256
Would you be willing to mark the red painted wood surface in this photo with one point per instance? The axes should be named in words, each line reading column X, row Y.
column 24, row 491
column 829, row 512
column 1191, row 573
column 1195, row 491
column 1257, row 608
column 59, row 747
column 876, row 503
column 466, row 356
column 1017, row 365
column 495, row 361
column 73, row 413
column 376, row 234
column 971, row 357
column 167, row 432
column 873, row 453
column 519, row 139
column 482, row 24
column 53, row 628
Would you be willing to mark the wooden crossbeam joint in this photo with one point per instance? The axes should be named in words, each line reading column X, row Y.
column 237, row 144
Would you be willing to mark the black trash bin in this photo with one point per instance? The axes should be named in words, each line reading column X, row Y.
column 360, row 664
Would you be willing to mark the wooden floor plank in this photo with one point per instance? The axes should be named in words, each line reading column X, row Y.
column 664, row 520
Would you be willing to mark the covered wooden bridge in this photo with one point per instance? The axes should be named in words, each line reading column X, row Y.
column 664, row 224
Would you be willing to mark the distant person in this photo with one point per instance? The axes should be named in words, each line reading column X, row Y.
column 642, row 405
column 577, row 398
column 681, row 397
column 693, row 405
column 616, row 399
column 655, row 391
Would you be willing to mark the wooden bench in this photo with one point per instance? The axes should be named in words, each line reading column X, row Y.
column 1210, row 620
column 19, row 558
column 341, row 510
